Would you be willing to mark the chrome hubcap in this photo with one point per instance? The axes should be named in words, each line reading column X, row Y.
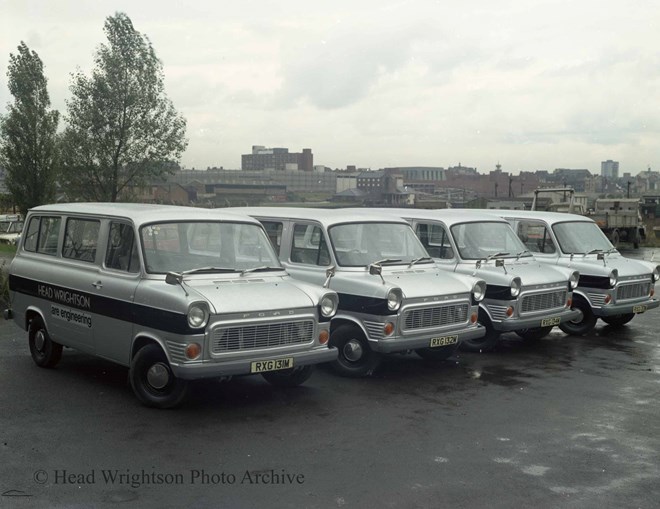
column 353, row 350
column 39, row 340
column 158, row 375
column 579, row 318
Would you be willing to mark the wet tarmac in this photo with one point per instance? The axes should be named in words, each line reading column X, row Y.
column 565, row 422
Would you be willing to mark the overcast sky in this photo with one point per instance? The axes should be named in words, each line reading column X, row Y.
column 533, row 84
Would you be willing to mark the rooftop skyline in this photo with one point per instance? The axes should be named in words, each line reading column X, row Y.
column 540, row 85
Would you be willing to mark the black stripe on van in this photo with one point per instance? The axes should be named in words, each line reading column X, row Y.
column 360, row 304
column 117, row 309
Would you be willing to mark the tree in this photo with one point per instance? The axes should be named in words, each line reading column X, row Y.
column 122, row 129
column 28, row 133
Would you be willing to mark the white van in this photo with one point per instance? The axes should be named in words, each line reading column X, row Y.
column 523, row 294
column 612, row 287
column 175, row 293
column 392, row 297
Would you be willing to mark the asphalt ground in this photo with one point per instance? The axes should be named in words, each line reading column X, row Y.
column 565, row 422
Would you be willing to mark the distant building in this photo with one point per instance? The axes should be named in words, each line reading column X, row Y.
column 281, row 159
column 421, row 179
column 295, row 181
column 575, row 178
column 168, row 193
column 609, row 169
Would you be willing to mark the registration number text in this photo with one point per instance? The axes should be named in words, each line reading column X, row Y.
column 271, row 365
column 444, row 341
column 547, row 322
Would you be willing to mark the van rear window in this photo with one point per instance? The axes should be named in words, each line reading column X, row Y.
column 42, row 235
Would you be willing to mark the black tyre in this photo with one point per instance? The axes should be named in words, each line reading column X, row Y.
column 152, row 379
column 583, row 324
column 289, row 377
column 45, row 352
column 485, row 343
column 437, row 354
column 534, row 334
column 355, row 358
column 618, row 320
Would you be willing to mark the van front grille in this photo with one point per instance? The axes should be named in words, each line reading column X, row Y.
column 271, row 335
column 543, row 301
column 438, row 316
column 633, row 291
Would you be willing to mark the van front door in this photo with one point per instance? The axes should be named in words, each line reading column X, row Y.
column 115, row 290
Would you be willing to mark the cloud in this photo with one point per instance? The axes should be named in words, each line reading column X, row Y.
column 341, row 68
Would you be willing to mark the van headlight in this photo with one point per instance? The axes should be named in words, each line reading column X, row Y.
column 479, row 291
column 614, row 277
column 394, row 299
column 656, row 273
column 515, row 287
column 328, row 306
column 198, row 315
column 573, row 280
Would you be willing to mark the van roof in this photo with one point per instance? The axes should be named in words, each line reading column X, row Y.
column 141, row 213
column 326, row 217
column 549, row 217
column 449, row 216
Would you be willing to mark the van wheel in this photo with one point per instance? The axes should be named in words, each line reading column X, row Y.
column 45, row 352
column 534, row 334
column 583, row 324
column 289, row 377
column 618, row 320
column 437, row 354
column 152, row 379
column 485, row 343
column 355, row 358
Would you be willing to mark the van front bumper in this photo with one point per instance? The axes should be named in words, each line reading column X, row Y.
column 624, row 309
column 512, row 324
column 220, row 367
column 423, row 339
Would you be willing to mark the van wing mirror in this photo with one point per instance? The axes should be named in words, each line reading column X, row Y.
column 376, row 270
column 329, row 274
column 174, row 278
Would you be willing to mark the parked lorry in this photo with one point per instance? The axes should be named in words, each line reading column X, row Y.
column 619, row 218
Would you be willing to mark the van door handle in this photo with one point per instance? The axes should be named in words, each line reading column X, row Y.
column 98, row 285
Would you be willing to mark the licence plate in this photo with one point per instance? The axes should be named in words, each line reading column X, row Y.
column 443, row 341
column 271, row 365
column 639, row 309
column 547, row 322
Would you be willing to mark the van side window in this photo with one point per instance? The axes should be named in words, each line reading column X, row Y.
column 274, row 231
column 81, row 239
column 536, row 237
column 32, row 234
column 309, row 246
column 122, row 249
column 436, row 240
column 42, row 235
